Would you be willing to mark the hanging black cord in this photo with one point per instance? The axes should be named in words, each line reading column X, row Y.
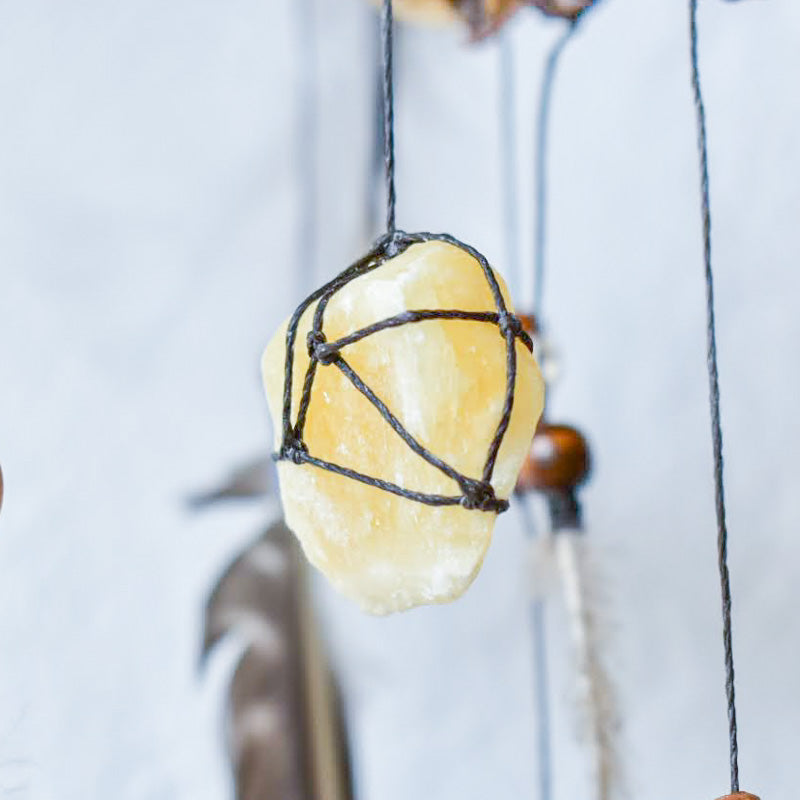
column 387, row 38
column 542, row 128
column 713, row 388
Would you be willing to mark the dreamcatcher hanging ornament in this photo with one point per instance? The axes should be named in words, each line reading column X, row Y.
column 405, row 396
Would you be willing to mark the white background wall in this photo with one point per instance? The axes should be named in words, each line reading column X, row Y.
column 147, row 250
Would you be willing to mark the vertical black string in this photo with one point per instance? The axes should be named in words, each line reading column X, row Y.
column 542, row 129
column 713, row 388
column 387, row 38
column 306, row 141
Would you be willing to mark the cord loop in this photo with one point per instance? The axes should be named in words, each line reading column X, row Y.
column 480, row 496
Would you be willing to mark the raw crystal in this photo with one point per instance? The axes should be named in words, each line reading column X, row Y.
column 445, row 381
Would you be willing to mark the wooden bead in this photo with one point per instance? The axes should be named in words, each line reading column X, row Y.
column 739, row 796
column 558, row 460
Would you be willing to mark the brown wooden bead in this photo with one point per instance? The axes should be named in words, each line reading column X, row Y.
column 739, row 796
column 558, row 460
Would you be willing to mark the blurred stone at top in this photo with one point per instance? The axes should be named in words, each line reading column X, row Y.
column 483, row 17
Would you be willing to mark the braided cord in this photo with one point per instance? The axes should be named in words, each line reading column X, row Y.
column 714, row 403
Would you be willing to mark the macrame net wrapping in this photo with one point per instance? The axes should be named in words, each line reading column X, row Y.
column 476, row 494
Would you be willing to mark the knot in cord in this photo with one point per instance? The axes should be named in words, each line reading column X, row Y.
column 509, row 323
column 292, row 449
column 393, row 243
column 480, row 496
column 319, row 348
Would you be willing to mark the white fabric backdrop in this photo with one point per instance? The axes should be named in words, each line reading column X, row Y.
column 147, row 205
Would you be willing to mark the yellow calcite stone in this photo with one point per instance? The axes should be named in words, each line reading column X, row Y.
column 445, row 382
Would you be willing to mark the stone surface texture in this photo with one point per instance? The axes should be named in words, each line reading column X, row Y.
column 445, row 381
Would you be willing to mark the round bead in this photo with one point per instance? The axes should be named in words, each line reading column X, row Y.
column 558, row 460
column 739, row 796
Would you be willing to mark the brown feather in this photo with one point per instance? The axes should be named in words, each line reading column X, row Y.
column 284, row 731
column 266, row 736
column 255, row 595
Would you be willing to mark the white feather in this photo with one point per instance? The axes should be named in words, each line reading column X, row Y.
column 595, row 687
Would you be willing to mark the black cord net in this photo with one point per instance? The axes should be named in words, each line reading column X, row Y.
column 477, row 494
